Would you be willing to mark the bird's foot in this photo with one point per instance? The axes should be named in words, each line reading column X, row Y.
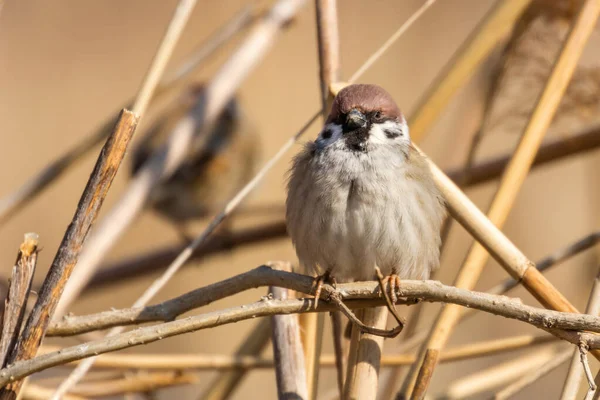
column 319, row 282
column 390, row 296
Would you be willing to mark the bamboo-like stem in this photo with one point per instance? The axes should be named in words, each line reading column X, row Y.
column 571, row 386
column 67, row 255
column 247, row 361
column 288, row 354
column 511, row 181
column 498, row 375
column 329, row 73
column 496, row 25
column 533, row 375
column 364, row 360
column 224, row 385
column 14, row 201
column 18, row 293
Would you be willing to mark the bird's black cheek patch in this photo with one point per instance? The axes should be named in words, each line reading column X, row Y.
column 326, row 134
column 392, row 133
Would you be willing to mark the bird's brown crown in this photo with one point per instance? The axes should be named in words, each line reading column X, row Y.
column 365, row 98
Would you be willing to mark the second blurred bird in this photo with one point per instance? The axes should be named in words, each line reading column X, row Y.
column 221, row 160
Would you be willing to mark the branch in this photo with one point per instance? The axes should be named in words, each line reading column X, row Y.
column 366, row 294
column 17, row 295
column 68, row 253
column 263, row 276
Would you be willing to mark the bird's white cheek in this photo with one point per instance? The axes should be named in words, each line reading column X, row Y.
column 379, row 133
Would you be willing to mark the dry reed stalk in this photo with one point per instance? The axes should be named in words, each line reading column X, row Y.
column 533, row 375
column 364, row 359
column 67, row 255
column 511, row 181
column 246, row 361
column 14, row 201
column 224, row 385
column 287, row 353
column 497, row 375
column 329, row 73
column 496, row 25
column 19, row 287
column 571, row 386
column 218, row 91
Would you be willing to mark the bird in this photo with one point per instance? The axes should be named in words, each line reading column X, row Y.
column 361, row 195
column 221, row 160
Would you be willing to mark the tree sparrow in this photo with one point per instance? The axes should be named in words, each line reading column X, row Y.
column 361, row 195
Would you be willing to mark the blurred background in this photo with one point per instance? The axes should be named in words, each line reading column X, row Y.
column 65, row 66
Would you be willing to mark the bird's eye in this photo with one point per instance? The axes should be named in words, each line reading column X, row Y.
column 378, row 115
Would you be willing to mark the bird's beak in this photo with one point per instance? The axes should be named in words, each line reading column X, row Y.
column 356, row 120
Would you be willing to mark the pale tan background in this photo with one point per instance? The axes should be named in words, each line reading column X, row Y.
column 66, row 65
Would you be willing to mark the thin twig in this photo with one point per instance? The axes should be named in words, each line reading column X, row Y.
column 533, row 375
column 14, row 201
column 588, row 371
column 510, row 184
column 576, row 370
column 68, row 253
column 254, row 344
column 18, row 293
